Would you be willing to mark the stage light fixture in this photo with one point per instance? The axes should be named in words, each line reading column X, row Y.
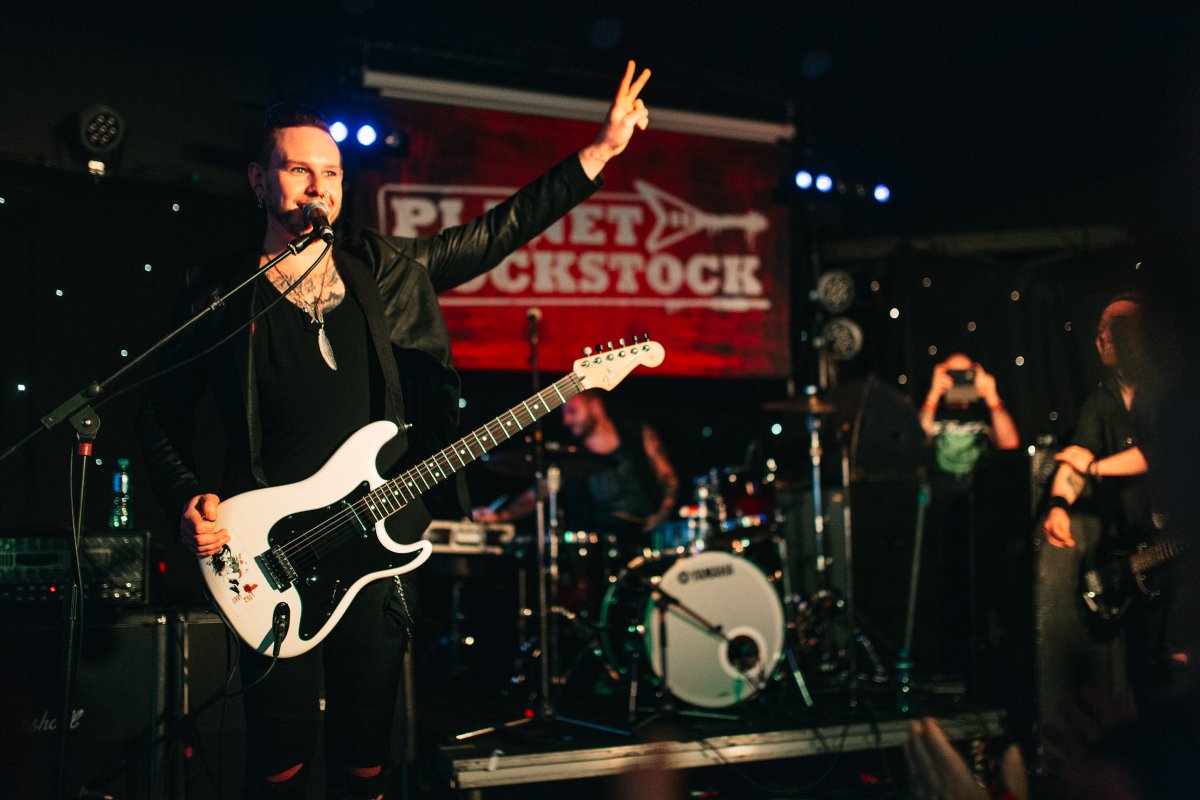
column 366, row 135
column 804, row 179
column 339, row 131
column 882, row 193
column 100, row 130
column 834, row 290
column 843, row 337
column 824, row 183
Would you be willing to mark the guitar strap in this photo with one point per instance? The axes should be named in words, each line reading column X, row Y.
column 357, row 277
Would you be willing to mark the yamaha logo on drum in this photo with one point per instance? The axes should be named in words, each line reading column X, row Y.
column 705, row 573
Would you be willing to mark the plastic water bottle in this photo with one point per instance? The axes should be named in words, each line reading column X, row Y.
column 903, row 682
column 120, row 518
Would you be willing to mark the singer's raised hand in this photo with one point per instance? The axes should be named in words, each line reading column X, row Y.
column 627, row 112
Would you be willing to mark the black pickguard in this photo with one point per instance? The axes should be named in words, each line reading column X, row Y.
column 324, row 577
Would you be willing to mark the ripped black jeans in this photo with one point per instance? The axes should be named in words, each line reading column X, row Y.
column 356, row 669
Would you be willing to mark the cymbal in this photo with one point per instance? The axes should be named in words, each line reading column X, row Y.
column 808, row 404
column 571, row 459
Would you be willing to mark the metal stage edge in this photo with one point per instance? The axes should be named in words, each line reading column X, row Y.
column 501, row 769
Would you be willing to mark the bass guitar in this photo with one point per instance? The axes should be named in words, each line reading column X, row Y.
column 299, row 553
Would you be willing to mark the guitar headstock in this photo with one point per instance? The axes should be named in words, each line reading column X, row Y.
column 605, row 368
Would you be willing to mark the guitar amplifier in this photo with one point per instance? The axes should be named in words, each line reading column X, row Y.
column 35, row 568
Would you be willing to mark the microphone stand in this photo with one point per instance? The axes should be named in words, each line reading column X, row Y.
column 78, row 410
column 664, row 601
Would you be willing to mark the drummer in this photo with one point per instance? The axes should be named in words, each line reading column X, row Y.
column 629, row 498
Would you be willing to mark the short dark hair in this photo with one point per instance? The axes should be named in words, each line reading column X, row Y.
column 282, row 115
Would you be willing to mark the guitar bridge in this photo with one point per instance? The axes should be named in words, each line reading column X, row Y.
column 276, row 568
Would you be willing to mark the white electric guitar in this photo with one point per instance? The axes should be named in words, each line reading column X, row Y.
column 299, row 553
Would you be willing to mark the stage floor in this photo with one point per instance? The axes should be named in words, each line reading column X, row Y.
column 772, row 746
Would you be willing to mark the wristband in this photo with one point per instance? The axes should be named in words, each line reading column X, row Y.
column 1093, row 469
column 1058, row 501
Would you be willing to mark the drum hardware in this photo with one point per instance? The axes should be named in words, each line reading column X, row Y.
column 819, row 612
column 542, row 460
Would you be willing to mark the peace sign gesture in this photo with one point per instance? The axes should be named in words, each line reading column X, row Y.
column 627, row 112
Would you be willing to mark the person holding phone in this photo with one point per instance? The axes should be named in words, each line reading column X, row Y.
column 963, row 414
column 963, row 417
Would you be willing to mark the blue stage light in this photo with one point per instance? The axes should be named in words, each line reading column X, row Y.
column 366, row 135
column 338, row 131
column 882, row 193
column 824, row 183
column 804, row 179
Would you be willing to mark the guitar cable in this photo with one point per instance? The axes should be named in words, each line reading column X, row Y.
column 280, row 624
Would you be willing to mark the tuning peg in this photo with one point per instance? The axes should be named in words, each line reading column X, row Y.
column 645, row 336
column 621, row 342
column 610, row 344
column 587, row 351
column 599, row 348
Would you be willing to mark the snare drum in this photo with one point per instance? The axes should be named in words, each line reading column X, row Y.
column 724, row 639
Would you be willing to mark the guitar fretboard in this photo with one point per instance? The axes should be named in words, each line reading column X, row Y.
column 397, row 493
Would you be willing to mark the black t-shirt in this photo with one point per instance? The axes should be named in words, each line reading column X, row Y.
column 1106, row 427
column 308, row 409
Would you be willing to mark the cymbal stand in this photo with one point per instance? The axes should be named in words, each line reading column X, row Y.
column 813, row 423
column 549, row 479
column 857, row 635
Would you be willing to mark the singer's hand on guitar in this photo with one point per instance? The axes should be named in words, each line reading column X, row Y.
column 197, row 529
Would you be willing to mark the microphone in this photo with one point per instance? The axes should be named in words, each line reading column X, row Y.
column 316, row 214
column 534, row 315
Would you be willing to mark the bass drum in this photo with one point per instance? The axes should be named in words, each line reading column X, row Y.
column 724, row 638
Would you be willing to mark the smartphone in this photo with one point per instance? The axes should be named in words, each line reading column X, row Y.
column 963, row 391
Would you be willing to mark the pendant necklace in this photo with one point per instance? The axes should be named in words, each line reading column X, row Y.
column 318, row 318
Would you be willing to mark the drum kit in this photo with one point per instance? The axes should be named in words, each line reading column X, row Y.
column 707, row 613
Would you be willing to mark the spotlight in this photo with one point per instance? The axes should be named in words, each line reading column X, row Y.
column 824, row 183
column 843, row 338
column 804, row 179
column 100, row 130
column 339, row 131
column 366, row 135
column 882, row 193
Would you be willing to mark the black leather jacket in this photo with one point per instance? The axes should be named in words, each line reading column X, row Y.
column 397, row 280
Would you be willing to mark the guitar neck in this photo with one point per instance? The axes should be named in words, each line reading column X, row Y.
column 391, row 496
column 1155, row 555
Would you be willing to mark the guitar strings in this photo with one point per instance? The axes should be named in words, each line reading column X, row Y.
column 335, row 529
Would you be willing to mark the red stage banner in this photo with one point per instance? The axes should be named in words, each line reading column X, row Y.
column 683, row 242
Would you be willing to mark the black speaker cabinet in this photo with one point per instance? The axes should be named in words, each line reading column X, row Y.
column 118, row 708
column 882, row 525
column 207, row 748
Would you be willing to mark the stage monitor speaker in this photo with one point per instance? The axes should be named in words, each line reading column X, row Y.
column 118, row 708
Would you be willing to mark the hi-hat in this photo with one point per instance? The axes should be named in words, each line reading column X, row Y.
column 571, row 459
column 807, row 404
